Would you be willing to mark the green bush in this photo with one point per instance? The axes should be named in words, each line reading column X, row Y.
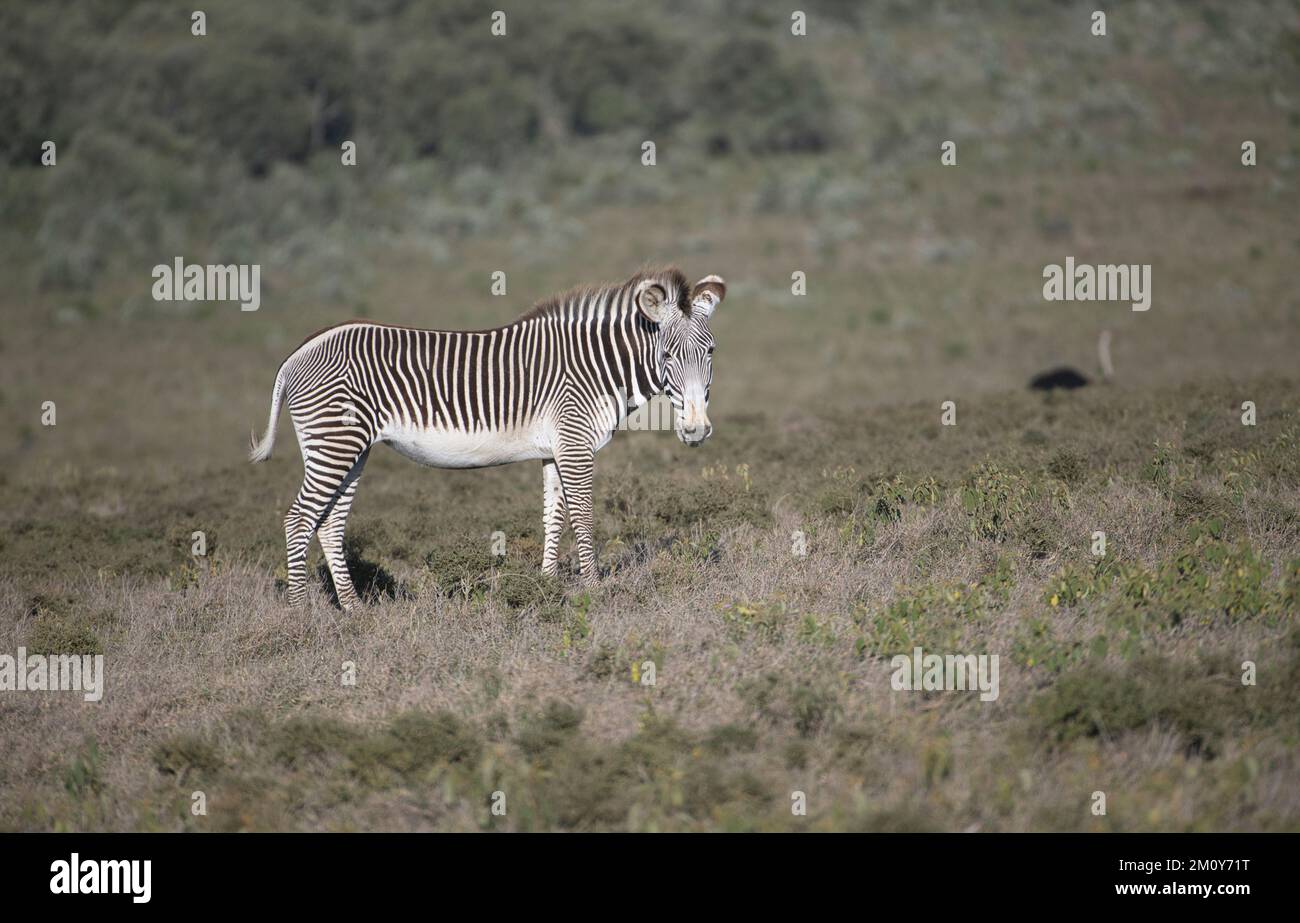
column 934, row 616
column 765, row 619
column 1068, row 466
column 549, row 729
column 611, row 75
column 304, row 739
column 752, row 99
column 411, row 746
column 83, row 777
column 461, row 566
column 529, row 590
column 1206, row 578
column 1072, row 584
column 1098, row 700
column 59, row 627
column 35, row 79
column 994, row 499
column 182, row 754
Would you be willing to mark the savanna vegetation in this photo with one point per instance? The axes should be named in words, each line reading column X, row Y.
column 1120, row 673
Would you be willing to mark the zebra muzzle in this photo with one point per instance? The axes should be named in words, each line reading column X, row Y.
column 693, row 436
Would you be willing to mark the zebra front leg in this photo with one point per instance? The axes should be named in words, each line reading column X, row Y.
column 331, row 536
column 575, row 467
column 553, row 515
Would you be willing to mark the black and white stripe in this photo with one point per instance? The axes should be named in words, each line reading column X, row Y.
column 553, row 386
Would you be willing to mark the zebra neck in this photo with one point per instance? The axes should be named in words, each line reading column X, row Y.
column 606, row 344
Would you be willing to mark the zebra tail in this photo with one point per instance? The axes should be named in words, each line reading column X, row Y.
column 261, row 451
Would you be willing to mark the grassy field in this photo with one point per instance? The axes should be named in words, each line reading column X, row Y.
column 1120, row 674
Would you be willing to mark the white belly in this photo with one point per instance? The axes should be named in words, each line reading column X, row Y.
column 440, row 448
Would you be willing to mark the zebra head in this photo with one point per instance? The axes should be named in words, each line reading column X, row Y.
column 685, row 353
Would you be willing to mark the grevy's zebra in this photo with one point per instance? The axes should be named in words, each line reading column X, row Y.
column 553, row 386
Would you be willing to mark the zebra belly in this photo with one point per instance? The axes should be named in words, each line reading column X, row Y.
column 443, row 448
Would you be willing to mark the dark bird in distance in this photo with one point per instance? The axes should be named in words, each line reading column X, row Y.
column 1067, row 378
column 1062, row 377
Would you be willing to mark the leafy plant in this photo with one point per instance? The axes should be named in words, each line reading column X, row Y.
column 993, row 499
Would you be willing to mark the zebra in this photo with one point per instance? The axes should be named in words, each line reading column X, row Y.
column 553, row 385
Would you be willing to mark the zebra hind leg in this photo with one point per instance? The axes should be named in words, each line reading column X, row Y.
column 298, row 528
column 325, row 481
column 331, row 536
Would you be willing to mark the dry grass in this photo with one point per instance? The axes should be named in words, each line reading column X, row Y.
column 772, row 669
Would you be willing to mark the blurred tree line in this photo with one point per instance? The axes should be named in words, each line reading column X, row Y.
column 277, row 82
column 227, row 146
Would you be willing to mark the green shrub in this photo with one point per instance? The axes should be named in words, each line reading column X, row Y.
column 182, row 754
column 1163, row 469
column 83, row 777
column 550, row 729
column 764, row 619
column 462, row 566
column 435, row 737
column 624, row 661
column 1206, row 578
column 1098, row 700
column 58, row 627
column 308, row 738
column 934, row 616
column 412, row 745
column 752, row 99
column 716, row 502
column 1037, row 644
column 529, row 591
column 488, row 122
column 35, row 82
column 726, row 739
column 609, row 74
column 1072, row 584
column 883, row 502
column 1068, row 466
column 293, row 86
column 994, row 499
column 889, row 497
column 814, row 706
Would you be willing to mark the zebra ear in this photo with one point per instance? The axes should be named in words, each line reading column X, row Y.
column 652, row 301
column 708, row 294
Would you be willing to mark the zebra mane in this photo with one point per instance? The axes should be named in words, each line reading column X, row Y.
column 670, row 277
